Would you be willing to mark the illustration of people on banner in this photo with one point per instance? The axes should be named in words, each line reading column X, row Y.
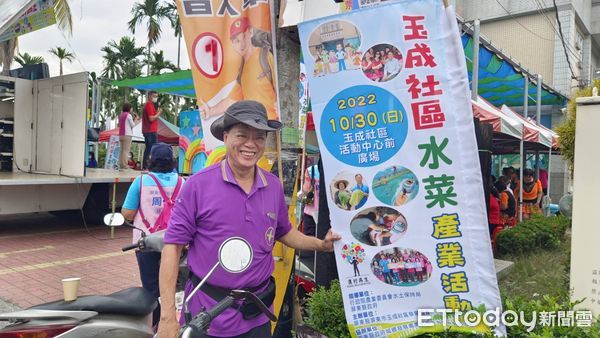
column 411, row 214
column 335, row 48
column 238, row 34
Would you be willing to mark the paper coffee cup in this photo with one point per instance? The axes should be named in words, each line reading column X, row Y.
column 70, row 286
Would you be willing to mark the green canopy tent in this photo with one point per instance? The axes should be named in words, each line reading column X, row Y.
column 501, row 83
column 178, row 83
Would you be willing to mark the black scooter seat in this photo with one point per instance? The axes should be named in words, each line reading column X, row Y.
column 133, row 301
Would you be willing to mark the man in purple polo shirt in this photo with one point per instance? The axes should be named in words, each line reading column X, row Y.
column 234, row 198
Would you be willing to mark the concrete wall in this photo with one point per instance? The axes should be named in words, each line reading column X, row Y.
column 490, row 9
column 527, row 48
column 559, row 178
column 595, row 15
column 585, row 231
column 288, row 73
column 576, row 16
column 562, row 71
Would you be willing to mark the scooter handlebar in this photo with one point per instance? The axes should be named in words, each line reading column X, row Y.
column 201, row 321
column 130, row 247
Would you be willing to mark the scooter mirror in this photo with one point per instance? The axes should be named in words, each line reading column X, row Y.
column 114, row 219
column 235, row 255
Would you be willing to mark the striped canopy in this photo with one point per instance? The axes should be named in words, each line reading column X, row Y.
column 167, row 133
column 500, row 83
column 176, row 83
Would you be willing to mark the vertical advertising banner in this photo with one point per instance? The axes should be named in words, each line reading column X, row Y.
column 303, row 103
column 192, row 155
column 112, row 153
column 390, row 99
column 230, row 46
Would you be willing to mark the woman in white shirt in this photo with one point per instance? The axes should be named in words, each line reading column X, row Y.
column 126, row 124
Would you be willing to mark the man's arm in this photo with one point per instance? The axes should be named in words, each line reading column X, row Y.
column 300, row 241
column 169, row 268
column 128, row 213
column 219, row 108
column 154, row 117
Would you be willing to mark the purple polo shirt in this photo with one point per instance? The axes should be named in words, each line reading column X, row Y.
column 211, row 208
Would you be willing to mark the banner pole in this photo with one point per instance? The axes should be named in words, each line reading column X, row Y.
column 475, row 61
column 279, row 161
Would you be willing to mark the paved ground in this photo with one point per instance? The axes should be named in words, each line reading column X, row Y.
column 38, row 250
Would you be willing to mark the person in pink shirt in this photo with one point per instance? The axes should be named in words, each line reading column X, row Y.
column 126, row 124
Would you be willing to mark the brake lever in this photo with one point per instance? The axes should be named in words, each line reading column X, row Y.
column 242, row 294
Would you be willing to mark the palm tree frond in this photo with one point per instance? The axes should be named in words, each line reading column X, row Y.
column 27, row 59
column 62, row 12
column 154, row 31
column 152, row 12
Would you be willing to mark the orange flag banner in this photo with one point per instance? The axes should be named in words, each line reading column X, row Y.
column 230, row 46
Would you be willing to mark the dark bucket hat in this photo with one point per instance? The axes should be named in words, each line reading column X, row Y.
column 248, row 112
column 161, row 152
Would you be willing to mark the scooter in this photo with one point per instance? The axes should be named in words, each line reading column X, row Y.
column 127, row 313
column 150, row 242
column 235, row 256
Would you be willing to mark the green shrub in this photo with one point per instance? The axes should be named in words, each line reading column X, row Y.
column 547, row 304
column 326, row 314
column 326, row 311
column 539, row 232
column 566, row 130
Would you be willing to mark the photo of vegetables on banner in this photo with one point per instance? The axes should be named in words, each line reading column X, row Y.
column 400, row 156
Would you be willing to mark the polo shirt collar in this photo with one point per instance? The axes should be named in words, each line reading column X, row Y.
column 260, row 181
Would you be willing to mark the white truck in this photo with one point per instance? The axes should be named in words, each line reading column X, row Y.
column 43, row 150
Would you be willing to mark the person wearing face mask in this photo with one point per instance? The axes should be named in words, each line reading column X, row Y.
column 150, row 124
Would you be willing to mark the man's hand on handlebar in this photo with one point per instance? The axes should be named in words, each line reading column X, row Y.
column 168, row 328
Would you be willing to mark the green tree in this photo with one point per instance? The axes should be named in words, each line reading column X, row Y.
column 26, row 59
column 111, row 61
column 566, row 130
column 158, row 63
column 153, row 12
column 122, row 59
column 8, row 49
column 62, row 13
column 62, row 54
column 176, row 25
